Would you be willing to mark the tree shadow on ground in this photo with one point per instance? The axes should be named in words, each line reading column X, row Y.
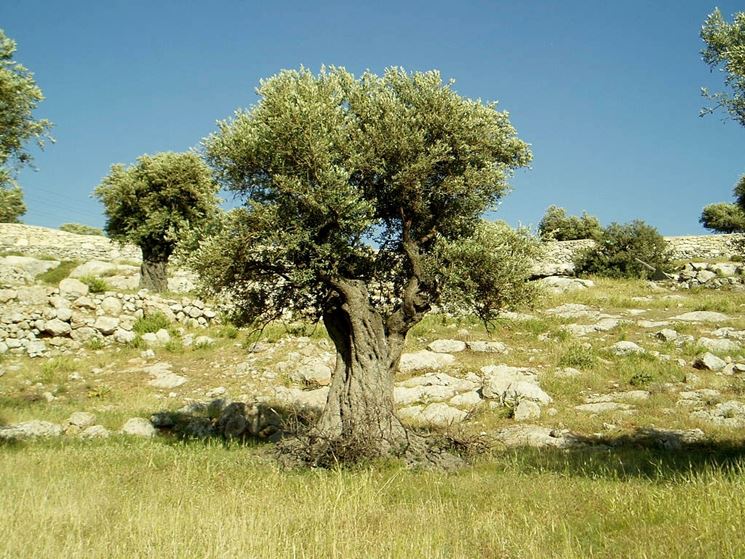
column 231, row 422
column 645, row 453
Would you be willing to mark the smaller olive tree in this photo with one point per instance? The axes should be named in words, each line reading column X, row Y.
column 557, row 225
column 725, row 217
column 80, row 229
column 153, row 202
column 619, row 249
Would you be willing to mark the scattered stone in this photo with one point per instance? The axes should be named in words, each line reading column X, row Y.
column 107, row 325
column 56, row 327
column 311, row 399
column 527, row 410
column 442, row 415
column 702, row 316
column 71, row 288
column 709, row 362
column 487, row 347
column 111, row 306
column 726, row 414
column 719, row 345
column 30, row 430
column 666, row 335
column 95, row 432
column 557, row 284
column 567, row 372
column 538, row 437
column 447, row 346
column 204, row 341
column 422, row 360
column 469, row 399
column 215, row 392
column 510, row 385
column 603, row 407
column 81, row 419
column 574, row 310
column 652, row 323
column 626, row 348
column 627, row 396
column 138, row 427
column 167, row 381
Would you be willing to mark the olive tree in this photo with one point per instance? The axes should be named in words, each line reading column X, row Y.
column 19, row 96
column 353, row 189
column 155, row 201
column 559, row 226
column 725, row 50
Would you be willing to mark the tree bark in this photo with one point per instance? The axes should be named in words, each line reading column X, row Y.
column 359, row 420
column 154, row 275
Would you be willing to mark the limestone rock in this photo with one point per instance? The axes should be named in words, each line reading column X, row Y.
column 510, row 385
column 487, row 347
column 626, row 348
column 723, row 345
column 538, row 437
column 702, row 316
column 422, row 360
column 666, row 335
column 56, row 327
column 527, row 410
column 71, row 288
column 709, row 362
column 469, row 399
column 81, row 419
column 556, row 284
column 447, row 346
column 603, row 407
column 95, row 432
column 107, row 325
column 30, row 430
column 111, row 306
column 138, row 427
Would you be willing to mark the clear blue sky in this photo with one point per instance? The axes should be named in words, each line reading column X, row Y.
column 607, row 93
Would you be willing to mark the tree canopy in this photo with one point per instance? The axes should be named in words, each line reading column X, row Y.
column 350, row 186
column 155, row 201
column 725, row 217
column 725, row 50
column 19, row 96
column 557, row 225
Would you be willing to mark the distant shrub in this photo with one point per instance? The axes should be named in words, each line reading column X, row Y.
column 618, row 248
column 151, row 323
column 95, row 285
column 557, row 225
column 80, row 229
column 578, row 357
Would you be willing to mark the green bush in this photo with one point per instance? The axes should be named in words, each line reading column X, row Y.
column 618, row 248
column 95, row 285
column 151, row 323
column 80, row 229
column 557, row 225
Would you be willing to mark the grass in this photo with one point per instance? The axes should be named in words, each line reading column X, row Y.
column 56, row 275
column 142, row 499
column 95, row 284
column 130, row 498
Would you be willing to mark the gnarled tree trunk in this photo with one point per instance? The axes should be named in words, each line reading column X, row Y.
column 154, row 276
column 359, row 419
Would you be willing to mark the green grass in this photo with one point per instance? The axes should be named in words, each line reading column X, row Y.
column 56, row 275
column 151, row 323
column 95, row 284
column 132, row 499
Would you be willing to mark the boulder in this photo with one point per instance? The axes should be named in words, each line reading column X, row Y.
column 95, row 432
column 603, row 407
column 81, row 419
column 71, row 288
column 57, row 327
column 447, row 346
column 422, row 360
column 510, row 385
column 527, row 410
column 138, row 427
column 111, row 306
column 107, row 325
column 666, row 335
column 702, row 316
column 556, row 284
column 30, row 430
column 626, row 348
column 538, row 437
column 487, row 347
column 709, row 362
column 720, row 345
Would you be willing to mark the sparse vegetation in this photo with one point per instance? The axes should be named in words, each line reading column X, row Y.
column 95, row 284
column 557, row 225
column 56, row 275
column 151, row 323
column 619, row 250
column 80, row 229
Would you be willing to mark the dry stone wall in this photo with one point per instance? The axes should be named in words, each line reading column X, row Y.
column 41, row 241
column 559, row 255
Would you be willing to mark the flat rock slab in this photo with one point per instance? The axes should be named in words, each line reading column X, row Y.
column 423, row 360
column 447, row 346
column 603, row 407
column 719, row 345
column 557, row 284
column 30, row 430
column 538, row 437
column 627, row 396
column 487, row 347
column 702, row 316
column 574, row 310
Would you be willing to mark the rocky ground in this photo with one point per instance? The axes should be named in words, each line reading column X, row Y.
column 595, row 364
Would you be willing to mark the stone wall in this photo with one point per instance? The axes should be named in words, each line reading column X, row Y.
column 558, row 255
column 41, row 241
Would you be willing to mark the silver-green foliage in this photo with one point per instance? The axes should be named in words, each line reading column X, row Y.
column 559, row 226
column 331, row 166
column 80, row 229
column 19, row 96
column 151, row 203
column 724, row 217
column 725, row 50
